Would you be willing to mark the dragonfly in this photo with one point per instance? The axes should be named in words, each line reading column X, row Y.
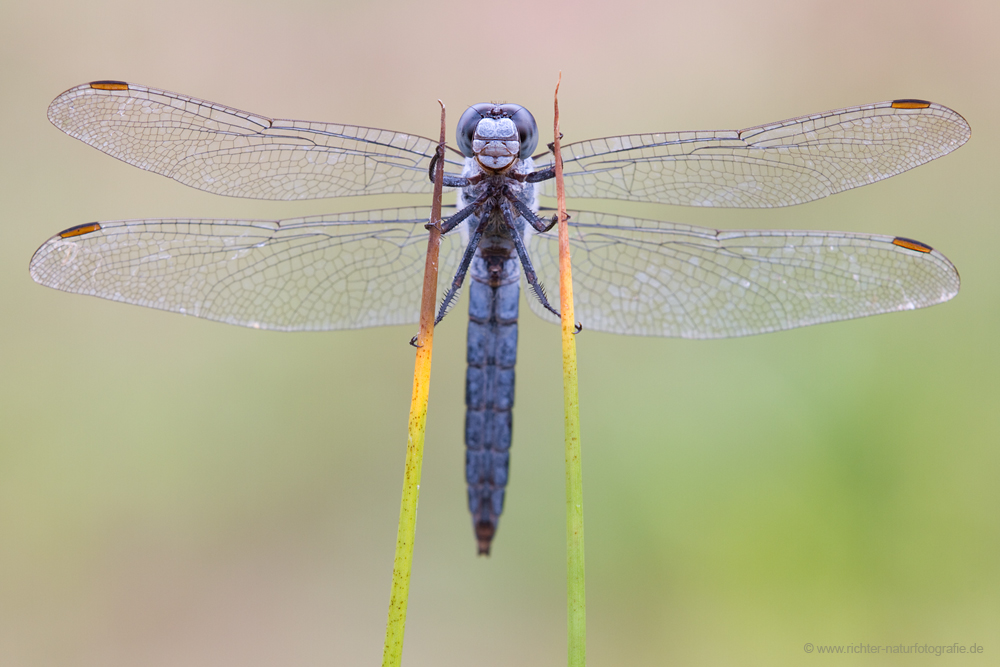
column 364, row 269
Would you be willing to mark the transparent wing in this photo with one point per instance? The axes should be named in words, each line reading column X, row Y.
column 778, row 164
column 652, row 278
column 230, row 152
column 341, row 271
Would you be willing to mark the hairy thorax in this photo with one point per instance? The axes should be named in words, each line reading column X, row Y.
column 496, row 237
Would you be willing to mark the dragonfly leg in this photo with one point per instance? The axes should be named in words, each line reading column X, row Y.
column 541, row 175
column 522, row 253
column 539, row 223
column 459, row 217
column 463, row 268
column 451, row 180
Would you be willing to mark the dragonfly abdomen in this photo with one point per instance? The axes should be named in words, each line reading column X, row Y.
column 489, row 388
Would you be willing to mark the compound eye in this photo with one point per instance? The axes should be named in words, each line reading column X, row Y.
column 527, row 128
column 467, row 126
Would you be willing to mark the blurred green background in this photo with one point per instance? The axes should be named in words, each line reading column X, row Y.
column 179, row 492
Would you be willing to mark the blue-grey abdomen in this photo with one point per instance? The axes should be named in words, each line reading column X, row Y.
column 489, row 388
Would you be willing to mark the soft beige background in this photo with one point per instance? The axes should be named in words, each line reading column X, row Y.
column 179, row 492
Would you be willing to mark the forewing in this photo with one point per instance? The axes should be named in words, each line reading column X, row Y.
column 231, row 152
column 778, row 164
column 651, row 278
column 340, row 271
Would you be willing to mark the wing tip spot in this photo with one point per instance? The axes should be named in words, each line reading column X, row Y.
column 109, row 85
column 910, row 244
column 910, row 104
column 80, row 230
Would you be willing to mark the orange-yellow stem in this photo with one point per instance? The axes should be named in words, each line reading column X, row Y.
column 576, row 600
column 392, row 653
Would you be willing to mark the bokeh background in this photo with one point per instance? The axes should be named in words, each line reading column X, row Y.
column 179, row 492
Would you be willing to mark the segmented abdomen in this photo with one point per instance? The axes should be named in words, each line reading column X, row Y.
column 489, row 388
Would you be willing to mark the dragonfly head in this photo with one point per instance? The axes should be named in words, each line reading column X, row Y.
column 497, row 134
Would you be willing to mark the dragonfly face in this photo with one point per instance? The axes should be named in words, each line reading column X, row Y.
column 497, row 133
column 632, row 276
